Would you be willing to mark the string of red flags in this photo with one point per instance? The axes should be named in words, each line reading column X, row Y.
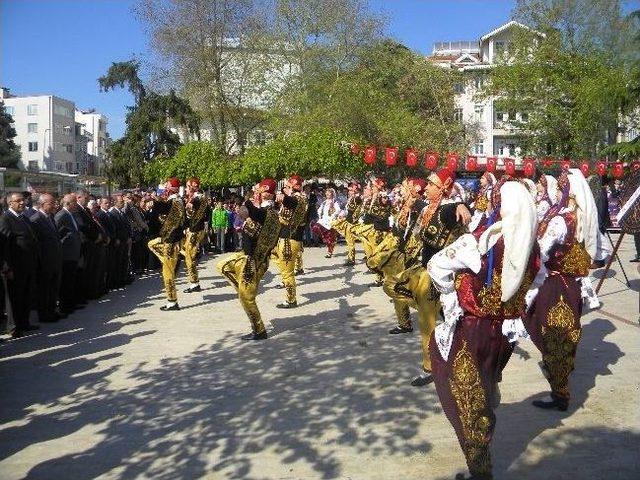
column 453, row 161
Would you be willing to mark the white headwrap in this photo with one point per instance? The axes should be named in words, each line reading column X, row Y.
column 587, row 230
column 518, row 227
column 531, row 186
column 552, row 189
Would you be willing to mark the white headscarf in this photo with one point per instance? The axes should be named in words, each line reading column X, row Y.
column 552, row 188
column 587, row 230
column 531, row 186
column 518, row 227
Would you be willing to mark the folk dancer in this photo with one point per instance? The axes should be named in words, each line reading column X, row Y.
column 441, row 222
column 197, row 211
column 401, row 250
column 348, row 219
column 483, row 279
column 292, row 216
column 328, row 212
column 167, row 245
column 245, row 269
column 547, row 188
column 481, row 207
column 569, row 241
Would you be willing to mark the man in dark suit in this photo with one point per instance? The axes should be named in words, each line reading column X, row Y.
column 50, row 248
column 123, row 235
column 90, row 237
column 69, row 233
column 21, row 257
column 107, row 224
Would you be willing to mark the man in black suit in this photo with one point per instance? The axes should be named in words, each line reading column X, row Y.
column 69, row 233
column 112, row 245
column 123, row 235
column 50, row 248
column 21, row 257
column 90, row 238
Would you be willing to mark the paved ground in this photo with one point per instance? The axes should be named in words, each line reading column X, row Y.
column 122, row 390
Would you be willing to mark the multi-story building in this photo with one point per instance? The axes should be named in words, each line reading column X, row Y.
column 93, row 140
column 45, row 131
column 486, row 124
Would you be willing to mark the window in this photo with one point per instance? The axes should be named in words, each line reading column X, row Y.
column 457, row 115
column 33, row 165
column 478, row 148
column 33, row 146
column 478, row 82
column 32, row 109
column 501, row 149
column 66, row 130
column 501, row 116
column 458, row 87
column 32, row 127
column 57, row 128
column 9, row 110
column 58, row 167
column 68, row 148
column 524, row 117
column 498, row 47
column 478, row 110
column 61, row 110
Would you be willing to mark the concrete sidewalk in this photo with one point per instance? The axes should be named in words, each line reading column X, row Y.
column 122, row 390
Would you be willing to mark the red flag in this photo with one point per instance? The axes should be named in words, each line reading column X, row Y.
column 565, row 164
column 370, row 155
column 431, row 160
column 355, row 148
column 452, row 161
column 601, row 168
column 412, row 157
column 635, row 166
column 390, row 156
column 529, row 167
column 472, row 162
column 510, row 166
column 584, row 168
column 491, row 164
column 547, row 162
column 618, row 170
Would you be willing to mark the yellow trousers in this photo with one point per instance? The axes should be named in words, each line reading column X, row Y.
column 232, row 268
column 287, row 265
column 371, row 238
column 346, row 229
column 167, row 253
column 192, row 243
column 412, row 287
column 299, row 259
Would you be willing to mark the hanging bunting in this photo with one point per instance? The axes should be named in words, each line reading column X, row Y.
column 412, row 157
column 355, row 148
column 547, row 162
column 565, row 164
column 601, row 168
column 472, row 163
column 431, row 160
column 491, row 164
column 510, row 166
column 529, row 167
column 370, row 155
column 452, row 161
column 618, row 170
column 390, row 156
column 584, row 168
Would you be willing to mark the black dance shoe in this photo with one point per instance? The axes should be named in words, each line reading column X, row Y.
column 166, row 308
column 197, row 288
column 349, row 263
column 398, row 329
column 280, row 285
column 287, row 305
column 300, row 271
column 255, row 336
column 328, row 255
column 551, row 404
column 423, row 379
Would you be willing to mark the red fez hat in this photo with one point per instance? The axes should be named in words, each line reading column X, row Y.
column 268, row 185
column 173, row 182
column 446, row 177
column 296, row 181
column 419, row 185
column 194, row 181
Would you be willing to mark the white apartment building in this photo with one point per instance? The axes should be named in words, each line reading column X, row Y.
column 486, row 124
column 45, row 129
column 92, row 141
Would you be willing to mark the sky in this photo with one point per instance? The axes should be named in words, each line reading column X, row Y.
column 61, row 47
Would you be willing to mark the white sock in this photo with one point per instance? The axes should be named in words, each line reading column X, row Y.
column 171, row 304
column 194, row 285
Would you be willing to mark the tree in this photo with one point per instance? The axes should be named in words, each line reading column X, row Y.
column 148, row 134
column 9, row 151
